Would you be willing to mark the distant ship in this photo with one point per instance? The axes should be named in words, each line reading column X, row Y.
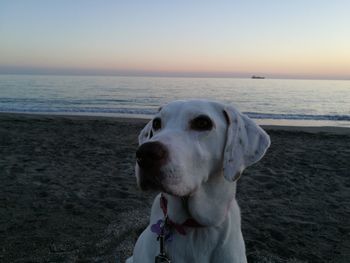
column 257, row 77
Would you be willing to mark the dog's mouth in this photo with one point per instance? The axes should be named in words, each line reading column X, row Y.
column 153, row 185
column 150, row 179
column 146, row 184
column 156, row 180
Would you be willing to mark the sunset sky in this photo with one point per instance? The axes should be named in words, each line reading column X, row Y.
column 274, row 38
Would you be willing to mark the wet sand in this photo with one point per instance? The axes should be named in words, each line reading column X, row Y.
column 68, row 193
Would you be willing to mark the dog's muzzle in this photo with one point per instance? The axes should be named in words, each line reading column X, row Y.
column 150, row 157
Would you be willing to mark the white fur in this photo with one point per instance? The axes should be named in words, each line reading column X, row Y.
column 203, row 166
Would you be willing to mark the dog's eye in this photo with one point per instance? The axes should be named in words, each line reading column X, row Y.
column 201, row 123
column 156, row 124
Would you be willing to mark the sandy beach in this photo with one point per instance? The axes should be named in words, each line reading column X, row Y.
column 68, row 192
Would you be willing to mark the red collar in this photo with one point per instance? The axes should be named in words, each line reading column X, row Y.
column 180, row 228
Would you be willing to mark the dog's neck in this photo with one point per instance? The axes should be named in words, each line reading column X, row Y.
column 177, row 208
column 209, row 205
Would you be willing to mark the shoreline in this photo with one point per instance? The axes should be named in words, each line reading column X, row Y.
column 268, row 124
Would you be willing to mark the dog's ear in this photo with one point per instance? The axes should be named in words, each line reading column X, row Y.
column 146, row 133
column 246, row 143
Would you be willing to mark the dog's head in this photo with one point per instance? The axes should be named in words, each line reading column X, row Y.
column 188, row 142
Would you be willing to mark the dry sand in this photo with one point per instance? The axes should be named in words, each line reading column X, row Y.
column 68, row 193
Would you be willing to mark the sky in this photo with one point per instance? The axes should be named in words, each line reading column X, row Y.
column 274, row 38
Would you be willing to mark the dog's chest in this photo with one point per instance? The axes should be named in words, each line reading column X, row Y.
column 196, row 246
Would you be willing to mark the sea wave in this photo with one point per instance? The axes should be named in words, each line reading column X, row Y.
column 256, row 115
column 64, row 108
column 85, row 110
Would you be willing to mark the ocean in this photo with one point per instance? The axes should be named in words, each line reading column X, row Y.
column 270, row 101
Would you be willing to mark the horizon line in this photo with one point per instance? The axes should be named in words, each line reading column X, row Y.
column 13, row 70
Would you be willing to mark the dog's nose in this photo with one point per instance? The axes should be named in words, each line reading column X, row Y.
column 151, row 154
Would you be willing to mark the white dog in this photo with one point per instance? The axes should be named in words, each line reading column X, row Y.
column 193, row 152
